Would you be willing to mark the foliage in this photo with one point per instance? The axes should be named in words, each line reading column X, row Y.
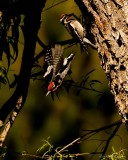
column 47, row 151
column 120, row 155
column 11, row 27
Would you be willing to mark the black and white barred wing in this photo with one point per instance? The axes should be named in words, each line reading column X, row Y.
column 48, row 63
column 66, row 66
column 57, row 54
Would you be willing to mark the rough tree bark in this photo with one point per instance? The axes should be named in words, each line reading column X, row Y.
column 110, row 29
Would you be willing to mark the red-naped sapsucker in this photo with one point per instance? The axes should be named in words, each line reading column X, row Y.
column 76, row 30
column 56, row 68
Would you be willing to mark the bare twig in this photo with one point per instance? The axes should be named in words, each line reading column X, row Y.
column 91, row 133
column 70, row 144
column 40, row 42
column 110, row 138
column 57, row 156
column 54, row 5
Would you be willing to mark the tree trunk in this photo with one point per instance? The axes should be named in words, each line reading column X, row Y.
column 17, row 100
column 109, row 19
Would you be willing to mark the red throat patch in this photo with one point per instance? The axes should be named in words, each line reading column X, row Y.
column 50, row 86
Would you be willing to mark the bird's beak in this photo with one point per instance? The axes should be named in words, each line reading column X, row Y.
column 48, row 93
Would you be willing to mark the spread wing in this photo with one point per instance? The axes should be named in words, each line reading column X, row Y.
column 48, row 63
column 57, row 53
column 66, row 66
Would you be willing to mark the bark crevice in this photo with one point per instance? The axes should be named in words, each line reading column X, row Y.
column 110, row 31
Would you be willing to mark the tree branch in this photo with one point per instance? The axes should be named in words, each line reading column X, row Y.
column 91, row 133
column 31, row 27
column 110, row 138
column 9, row 123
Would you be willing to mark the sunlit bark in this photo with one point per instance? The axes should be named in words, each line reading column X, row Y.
column 109, row 26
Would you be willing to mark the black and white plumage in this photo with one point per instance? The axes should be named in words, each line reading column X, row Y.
column 75, row 28
column 56, row 67
column 48, row 64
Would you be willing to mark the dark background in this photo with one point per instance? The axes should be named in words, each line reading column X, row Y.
column 63, row 119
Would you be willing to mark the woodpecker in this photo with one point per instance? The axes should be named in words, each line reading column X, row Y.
column 76, row 30
column 56, row 67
